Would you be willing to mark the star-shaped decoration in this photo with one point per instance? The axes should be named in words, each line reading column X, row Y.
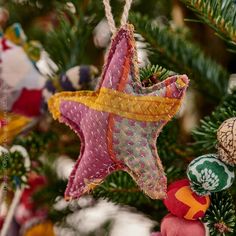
column 118, row 124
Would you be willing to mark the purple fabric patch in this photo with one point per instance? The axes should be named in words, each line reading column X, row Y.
column 94, row 162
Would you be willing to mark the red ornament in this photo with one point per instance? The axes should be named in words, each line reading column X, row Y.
column 183, row 202
column 29, row 103
column 174, row 226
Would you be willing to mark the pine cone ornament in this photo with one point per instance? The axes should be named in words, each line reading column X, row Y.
column 226, row 136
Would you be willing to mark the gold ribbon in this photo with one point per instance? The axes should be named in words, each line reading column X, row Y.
column 142, row 108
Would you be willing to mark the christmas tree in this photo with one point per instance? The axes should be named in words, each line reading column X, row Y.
column 151, row 142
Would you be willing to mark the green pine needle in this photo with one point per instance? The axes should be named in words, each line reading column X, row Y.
column 174, row 52
column 205, row 135
column 152, row 74
column 220, row 217
column 219, row 15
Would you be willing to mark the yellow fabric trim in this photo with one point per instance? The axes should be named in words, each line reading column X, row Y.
column 15, row 124
column 142, row 108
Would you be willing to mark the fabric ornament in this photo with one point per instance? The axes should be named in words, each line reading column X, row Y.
column 208, row 174
column 16, row 35
column 20, row 83
column 226, row 136
column 118, row 124
column 174, row 226
column 19, row 77
column 181, row 201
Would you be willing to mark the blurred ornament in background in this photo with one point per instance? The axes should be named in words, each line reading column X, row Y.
column 181, row 201
column 25, row 89
column 33, row 49
column 83, row 77
column 19, row 75
column 21, row 82
column 208, row 174
column 232, row 83
column 13, row 125
column 63, row 166
column 226, row 136
column 15, row 34
column 38, row 228
column 4, row 15
column 174, row 226
column 101, row 34
column 3, row 122
column 17, row 166
column 79, row 78
column 27, row 208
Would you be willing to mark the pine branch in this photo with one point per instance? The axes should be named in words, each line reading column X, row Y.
column 66, row 43
column 220, row 217
column 120, row 188
column 69, row 43
column 205, row 135
column 35, row 142
column 219, row 15
column 152, row 74
column 176, row 53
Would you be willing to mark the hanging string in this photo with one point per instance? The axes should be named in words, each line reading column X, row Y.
column 109, row 15
column 125, row 14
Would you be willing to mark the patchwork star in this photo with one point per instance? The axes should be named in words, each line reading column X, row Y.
column 118, row 124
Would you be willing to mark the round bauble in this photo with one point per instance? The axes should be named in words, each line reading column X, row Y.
column 208, row 174
column 226, row 136
column 181, row 201
column 174, row 226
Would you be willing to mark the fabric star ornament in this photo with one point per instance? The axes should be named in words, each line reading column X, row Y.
column 118, row 124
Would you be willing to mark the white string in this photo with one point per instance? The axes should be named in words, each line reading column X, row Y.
column 125, row 14
column 109, row 16
column 11, row 211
